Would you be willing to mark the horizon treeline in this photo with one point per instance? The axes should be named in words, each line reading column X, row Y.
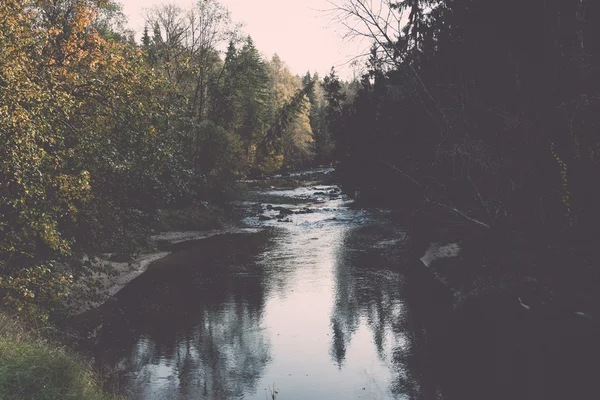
column 99, row 132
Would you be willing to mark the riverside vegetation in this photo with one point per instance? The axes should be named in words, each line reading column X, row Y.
column 497, row 126
column 105, row 139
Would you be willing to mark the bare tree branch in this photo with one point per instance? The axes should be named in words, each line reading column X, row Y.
column 381, row 30
column 428, row 200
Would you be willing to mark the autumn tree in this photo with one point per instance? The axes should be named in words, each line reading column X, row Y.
column 87, row 155
column 297, row 139
column 110, row 22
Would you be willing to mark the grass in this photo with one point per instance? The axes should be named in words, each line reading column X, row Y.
column 35, row 369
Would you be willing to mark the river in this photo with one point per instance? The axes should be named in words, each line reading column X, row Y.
column 310, row 307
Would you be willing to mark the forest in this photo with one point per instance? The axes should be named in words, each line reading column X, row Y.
column 99, row 132
column 486, row 105
column 483, row 110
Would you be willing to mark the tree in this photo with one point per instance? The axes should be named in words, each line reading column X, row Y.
column 250, row 77
column 87, row 158
column 485, row 104
column 334, row 98
column 185, row 49
column 269, row 149
column 209, row 26
column 110, row 22
column 323, row 143
column 189, row 40
column 146, row 45
column 297, row 137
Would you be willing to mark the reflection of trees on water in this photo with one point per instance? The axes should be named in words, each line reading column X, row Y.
column 368, row 289
column 345, row 318
column 414, row 377
column 191, row 325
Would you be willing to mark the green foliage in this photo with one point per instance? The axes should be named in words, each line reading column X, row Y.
column 297, row 139
column 99, row 135
column 36, row 289
column 259, row 103
column 88, row 155
column 269, row 148
column 323, row 144
column 110, row 22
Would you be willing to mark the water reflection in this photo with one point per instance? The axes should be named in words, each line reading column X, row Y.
column 303, row 260
column 363, row 294
column 324, row 307
column 191, row 326
column 313, row 305
column 372, row 292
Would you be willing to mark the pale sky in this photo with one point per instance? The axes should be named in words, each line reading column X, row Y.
column 297, row 30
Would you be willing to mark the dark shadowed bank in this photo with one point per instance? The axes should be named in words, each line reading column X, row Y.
column 485, row 319
column 488, row 138
column 500, row 322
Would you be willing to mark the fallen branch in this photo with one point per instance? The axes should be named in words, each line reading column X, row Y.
column 480, row 198
column 460, row 213
column 428, row 200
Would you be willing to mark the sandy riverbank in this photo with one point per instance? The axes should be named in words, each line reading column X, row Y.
column 124, row 272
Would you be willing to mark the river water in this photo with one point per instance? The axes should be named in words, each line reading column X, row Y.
column 312, row 307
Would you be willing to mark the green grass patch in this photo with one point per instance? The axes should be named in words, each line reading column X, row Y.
column 34, row 369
